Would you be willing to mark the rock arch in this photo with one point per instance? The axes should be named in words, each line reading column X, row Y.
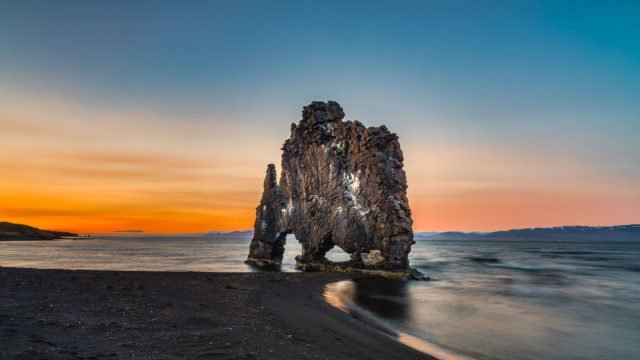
column 342, row 184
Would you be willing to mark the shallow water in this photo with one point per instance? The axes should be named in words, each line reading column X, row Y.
column 507, row 300
column 153, row 253
column 487, row 300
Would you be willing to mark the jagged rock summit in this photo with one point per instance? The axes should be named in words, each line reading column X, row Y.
column 342, row 184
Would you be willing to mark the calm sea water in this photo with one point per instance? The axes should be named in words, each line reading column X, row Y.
column 486, row 300
column 518, row 300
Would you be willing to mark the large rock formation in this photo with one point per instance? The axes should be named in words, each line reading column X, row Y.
column 342, row 184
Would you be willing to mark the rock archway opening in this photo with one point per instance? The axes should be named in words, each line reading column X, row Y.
column 337, row 255
column 291, row 248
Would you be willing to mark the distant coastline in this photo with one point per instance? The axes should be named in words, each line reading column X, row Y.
column 11, row 231
column 630, row 232
column 591, row 233
column 230, row 234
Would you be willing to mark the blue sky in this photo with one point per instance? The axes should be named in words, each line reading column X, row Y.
column 553, row 81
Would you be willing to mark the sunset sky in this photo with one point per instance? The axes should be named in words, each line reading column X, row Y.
column 162, row 116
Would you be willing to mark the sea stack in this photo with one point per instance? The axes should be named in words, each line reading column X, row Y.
column 342, row 184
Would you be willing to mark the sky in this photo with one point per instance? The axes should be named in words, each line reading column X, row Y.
column 162, row 115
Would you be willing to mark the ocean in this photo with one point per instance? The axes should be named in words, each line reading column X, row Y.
column 485, row 300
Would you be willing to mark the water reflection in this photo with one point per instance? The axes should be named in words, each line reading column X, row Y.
column 387, row 298
column 338, row 294
column 374, row 301
column 264, row 268
column 490, row 300
column 511, row 300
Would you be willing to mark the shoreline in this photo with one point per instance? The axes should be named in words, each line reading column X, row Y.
column 73, row 314
column 339, row 295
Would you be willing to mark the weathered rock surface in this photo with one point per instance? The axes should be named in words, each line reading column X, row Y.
column 342, row 184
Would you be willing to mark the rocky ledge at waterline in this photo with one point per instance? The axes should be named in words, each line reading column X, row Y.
column 342, row 184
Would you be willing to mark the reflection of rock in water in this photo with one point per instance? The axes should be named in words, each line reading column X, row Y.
column 375, row 300
column 342, row 184
column 387, row 298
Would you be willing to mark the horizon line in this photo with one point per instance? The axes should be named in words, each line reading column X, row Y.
column 415, row 231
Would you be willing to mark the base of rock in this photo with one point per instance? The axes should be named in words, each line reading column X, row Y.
column 263, row 263
column 330, row 266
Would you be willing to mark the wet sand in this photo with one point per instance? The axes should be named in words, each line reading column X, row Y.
column 65, row 314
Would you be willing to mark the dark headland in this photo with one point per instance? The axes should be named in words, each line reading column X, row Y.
column 11, row 231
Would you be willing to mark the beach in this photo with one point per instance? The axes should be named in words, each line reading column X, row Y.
column 81, row 314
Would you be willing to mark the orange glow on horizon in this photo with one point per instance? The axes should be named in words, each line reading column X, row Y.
column 504, row 210
column 65, row 169
column 472, row 212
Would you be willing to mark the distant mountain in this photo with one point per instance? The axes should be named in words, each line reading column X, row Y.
column 448, row 235
column 230, row 234
column 10, row 231
column 597, row 233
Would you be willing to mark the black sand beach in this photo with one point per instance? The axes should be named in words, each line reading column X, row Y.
column 65, row 314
